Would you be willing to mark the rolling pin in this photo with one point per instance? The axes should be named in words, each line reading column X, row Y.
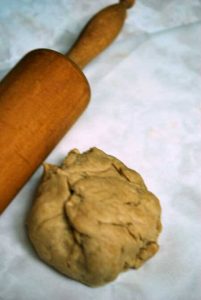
column 43, row 95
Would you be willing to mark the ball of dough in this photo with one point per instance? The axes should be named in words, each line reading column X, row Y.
column 93, row 218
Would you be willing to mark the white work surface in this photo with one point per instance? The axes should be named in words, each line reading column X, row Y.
column 146, row 110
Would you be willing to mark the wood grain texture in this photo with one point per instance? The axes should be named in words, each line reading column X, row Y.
column 39, row 101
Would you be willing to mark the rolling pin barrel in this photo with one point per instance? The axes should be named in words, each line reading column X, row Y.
column 43, row 96
column 39, row 101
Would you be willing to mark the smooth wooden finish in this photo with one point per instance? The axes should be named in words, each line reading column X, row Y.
column 39, row 101
column 43, row 96
column 99, row 33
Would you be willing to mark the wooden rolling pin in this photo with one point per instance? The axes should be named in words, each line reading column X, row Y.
column 43, row 95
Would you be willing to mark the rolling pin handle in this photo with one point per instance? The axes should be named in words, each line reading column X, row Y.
column 99, row 33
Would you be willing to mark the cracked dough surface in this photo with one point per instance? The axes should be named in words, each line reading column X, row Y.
column 93, row 218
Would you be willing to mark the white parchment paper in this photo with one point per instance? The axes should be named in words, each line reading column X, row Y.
column 146, row 110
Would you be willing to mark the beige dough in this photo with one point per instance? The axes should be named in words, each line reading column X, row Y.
column 93, row 218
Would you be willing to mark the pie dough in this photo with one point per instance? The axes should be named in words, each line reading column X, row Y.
column 93, row 218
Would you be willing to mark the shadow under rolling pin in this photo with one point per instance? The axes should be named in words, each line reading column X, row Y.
column 43, row 95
